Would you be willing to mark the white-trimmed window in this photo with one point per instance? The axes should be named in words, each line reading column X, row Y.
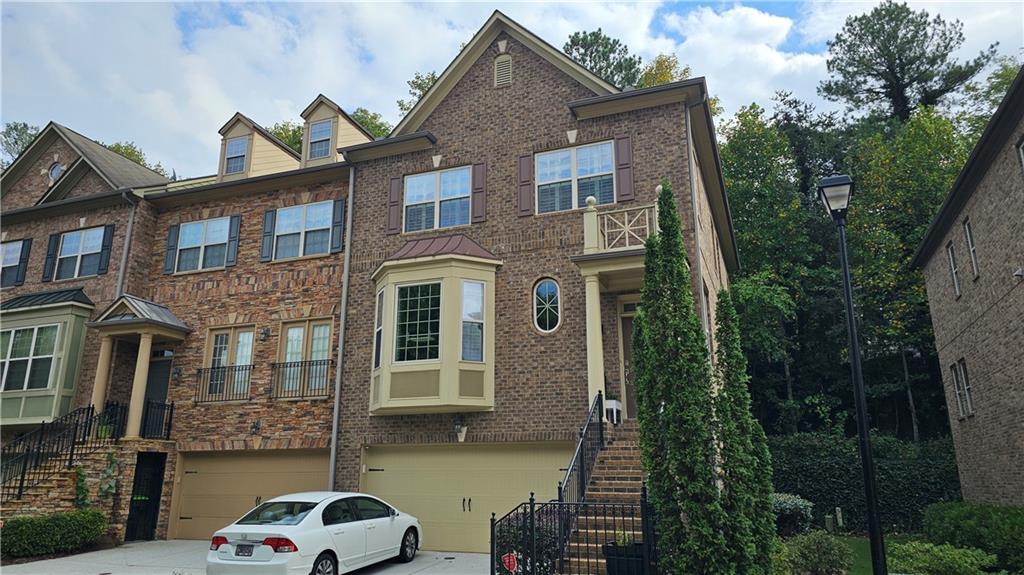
column 230, row 361
column 234, row 155
column 378, row 330
column 438, row 199
column 26, row 357
column 79, row 253
column 472, row 321
column 418, row 322
column 565, row 178
column 11, row 255
column 962, row 388
column 303, row 230
column 547, row 305
column 306, row 354
column 202, row 244
column 954, row 271
column 971, row 250
column 320, row 139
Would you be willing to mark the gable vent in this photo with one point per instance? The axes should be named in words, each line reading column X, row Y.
column 503, row 71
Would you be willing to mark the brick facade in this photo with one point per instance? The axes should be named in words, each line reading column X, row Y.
column 983, row 327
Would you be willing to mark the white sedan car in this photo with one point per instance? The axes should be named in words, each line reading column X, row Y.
column 320, row 533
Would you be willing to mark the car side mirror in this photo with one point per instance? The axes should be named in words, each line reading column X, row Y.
column 394, row 512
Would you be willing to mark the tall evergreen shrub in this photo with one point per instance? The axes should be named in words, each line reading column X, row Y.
column 745, row 460
column 674, row 395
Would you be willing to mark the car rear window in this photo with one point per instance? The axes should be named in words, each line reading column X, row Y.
column 278, row 513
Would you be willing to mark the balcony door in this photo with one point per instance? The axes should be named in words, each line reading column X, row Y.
column 306, row 358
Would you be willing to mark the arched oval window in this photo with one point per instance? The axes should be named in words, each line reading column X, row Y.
column 55, row 171
column 547, row 305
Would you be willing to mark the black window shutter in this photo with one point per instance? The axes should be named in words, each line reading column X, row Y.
column 108, row 242
column 232, row 255
column 172, row 249
column 26, row 247
column 479, row 201
column 267, row 246
column 394, row 206
column 50, row 265
column 338, row 227
column 525, row 181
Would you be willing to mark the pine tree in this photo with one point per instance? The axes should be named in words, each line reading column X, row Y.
column 674, row 396
column 746, row 462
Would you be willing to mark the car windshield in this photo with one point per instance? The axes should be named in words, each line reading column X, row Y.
column 278, row 513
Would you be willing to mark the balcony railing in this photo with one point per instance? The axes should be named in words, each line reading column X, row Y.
column 226, row 383
column 301, row 379
column 621, row 229
column 156, row 420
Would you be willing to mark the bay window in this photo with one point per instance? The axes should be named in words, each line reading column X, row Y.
column 439, row 199
column 472, row 321
column 565, row 178
column 27, row 357
column 418, row 322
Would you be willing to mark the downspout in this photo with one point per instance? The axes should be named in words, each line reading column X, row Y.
column 694, row 209
column 331, row 475
column 125, row 194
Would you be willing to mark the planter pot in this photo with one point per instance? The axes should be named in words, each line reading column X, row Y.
column 624, row 559
column 613, row 411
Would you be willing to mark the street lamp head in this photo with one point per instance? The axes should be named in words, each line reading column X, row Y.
column 835, row 192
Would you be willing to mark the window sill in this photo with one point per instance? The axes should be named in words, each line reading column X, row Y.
column 302, row 258
column 441, row 230
column 201, row 271
column 600, row 207
column 55, row 280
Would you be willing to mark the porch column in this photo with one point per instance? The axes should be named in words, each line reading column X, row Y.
column 139, row 386
column 595, row 345
column 99, row 386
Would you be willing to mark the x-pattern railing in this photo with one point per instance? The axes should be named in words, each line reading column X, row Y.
column 627, row 228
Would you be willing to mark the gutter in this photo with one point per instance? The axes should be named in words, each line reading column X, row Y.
column 127, row 241
column 699, row 264
column 331, row 473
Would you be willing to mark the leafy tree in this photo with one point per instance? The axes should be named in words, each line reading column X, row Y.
column 674, row 397
column 290, row 133
column 894, row 59
column 981, row 99
column 746, row 461
column 372, row 121
column 131, row 151
column 16, row 136
column 418, row 86
column 605, row 56
column 664, row 68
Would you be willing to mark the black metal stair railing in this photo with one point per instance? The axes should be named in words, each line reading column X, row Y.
column 573, row 487
column 52, row 448
column 300, row 379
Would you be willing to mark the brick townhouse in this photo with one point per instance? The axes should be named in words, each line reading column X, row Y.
column 468, row 284
column 973, row 262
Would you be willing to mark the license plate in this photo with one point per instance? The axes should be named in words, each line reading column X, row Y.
column 243, row 550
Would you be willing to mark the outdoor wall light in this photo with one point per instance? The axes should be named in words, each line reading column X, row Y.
column 265, row 334
column 460, row 427
column 255, row 428
column 177, row 373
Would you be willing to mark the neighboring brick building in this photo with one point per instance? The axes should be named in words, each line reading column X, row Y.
column 451, row 276
column 973, row 262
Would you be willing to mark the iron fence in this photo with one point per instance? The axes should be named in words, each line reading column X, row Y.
column 300, row 379
column 224, row 383
column 156, row 420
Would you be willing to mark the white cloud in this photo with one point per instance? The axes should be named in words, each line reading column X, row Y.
column 128, row 72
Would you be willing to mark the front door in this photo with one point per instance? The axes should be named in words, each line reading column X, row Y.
column 157, row 380
column 147, row 488
column 627, row 365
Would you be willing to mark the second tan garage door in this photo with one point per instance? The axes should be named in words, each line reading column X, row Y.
column 217, row 488
column 453, row 489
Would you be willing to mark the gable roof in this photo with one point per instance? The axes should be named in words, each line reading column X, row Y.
column 321, row 99
column 116, row 170
column 133, row 309
column 240, row 117
column 480, row 42
column 996, row 135
column 46, row 298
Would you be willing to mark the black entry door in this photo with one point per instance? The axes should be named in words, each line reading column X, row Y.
column 156, row 380
column 146, row 491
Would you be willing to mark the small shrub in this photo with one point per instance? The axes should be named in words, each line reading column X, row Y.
column 781, row 562
column 996, row 529
column 81, row 488
column 819, row 553
column 923, row 558
column 54, row 533
column 793, row 514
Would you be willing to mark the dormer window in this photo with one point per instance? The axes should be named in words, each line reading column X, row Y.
column 503, row 71
column 320, row 139
column 234, row 155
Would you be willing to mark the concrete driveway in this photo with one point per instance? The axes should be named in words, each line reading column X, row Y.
column 181, row 557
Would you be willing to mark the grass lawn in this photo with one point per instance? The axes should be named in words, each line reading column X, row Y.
column 862, row 551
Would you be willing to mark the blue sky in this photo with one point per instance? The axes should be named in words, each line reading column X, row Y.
column 167, row 76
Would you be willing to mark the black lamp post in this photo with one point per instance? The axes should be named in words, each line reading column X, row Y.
column 835, row 193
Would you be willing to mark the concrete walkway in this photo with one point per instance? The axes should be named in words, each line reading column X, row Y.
column 181, row 557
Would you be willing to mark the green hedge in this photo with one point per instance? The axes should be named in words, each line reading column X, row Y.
column 54, row 533
column 927, row 559
column 826, row 470
column 997, row 529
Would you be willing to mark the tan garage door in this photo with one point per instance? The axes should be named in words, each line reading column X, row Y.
column 453, row 489
column 219, row 487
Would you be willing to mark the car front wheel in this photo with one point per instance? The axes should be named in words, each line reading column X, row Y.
column 408, row 550
column 324, row 565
